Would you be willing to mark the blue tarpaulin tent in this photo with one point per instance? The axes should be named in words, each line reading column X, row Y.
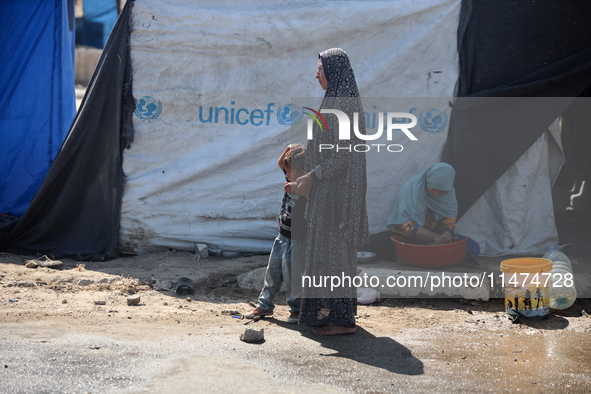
column 38, row 98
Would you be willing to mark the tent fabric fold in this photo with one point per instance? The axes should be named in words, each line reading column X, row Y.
column 539, row 52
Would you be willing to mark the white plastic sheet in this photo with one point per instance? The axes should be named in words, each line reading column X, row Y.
column 516, row 216
column 194, row 178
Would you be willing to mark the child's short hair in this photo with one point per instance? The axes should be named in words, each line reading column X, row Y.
column 293, row 162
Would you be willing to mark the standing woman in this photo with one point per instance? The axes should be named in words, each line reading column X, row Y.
column 336, row 214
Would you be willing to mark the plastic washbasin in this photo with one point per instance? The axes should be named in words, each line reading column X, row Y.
column 429, row 256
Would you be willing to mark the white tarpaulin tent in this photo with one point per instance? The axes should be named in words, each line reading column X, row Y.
column 209, row 79
column 516, row 214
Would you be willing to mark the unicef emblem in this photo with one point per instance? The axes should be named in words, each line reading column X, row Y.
column 289, row 115
column 147, row 108
column 433, row 121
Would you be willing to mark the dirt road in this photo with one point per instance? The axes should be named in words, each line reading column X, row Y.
column 71, row 330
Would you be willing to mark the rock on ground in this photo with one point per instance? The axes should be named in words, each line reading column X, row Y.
column 252, row 336
column 133, row 300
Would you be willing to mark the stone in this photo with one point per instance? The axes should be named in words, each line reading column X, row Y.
column 85, row 282
column 108, row 280
column 26, row 283
column 253, row 336
column 100, row 302
column 133, row 300
column 32, row 264
column 201, row 251
column 53, row 264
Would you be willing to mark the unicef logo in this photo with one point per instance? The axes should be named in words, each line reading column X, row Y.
column 289, row 115
column 147, row 108
column 433, row 121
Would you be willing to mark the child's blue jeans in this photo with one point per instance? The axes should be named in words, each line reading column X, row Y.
column 282, row 268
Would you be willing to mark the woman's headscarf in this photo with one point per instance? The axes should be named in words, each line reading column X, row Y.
column 414, row 201
column 339, row 74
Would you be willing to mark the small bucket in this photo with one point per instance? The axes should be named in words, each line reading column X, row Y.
column 527, row 288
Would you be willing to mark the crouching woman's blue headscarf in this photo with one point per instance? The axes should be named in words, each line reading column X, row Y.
column 414, row 201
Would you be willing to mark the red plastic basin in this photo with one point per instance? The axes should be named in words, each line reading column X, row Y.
column 429, row 256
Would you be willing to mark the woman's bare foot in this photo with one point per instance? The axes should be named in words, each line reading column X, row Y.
column 335, row 330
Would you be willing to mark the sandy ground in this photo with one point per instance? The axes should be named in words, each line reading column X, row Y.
column 71, row 329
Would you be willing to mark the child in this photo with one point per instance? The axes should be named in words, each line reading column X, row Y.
column 282, row 267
